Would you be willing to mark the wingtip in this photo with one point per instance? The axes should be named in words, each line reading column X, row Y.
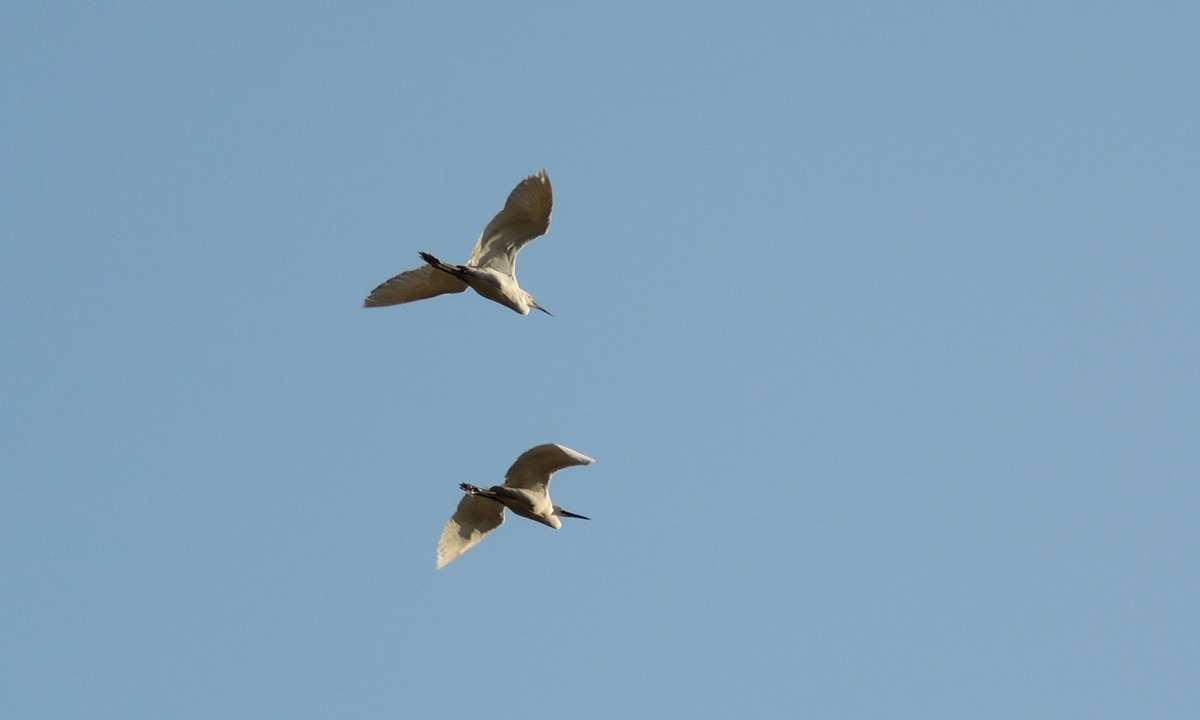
column 443, row 558
column 576, row 455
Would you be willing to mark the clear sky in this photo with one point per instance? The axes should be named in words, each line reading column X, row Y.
column 881, row 320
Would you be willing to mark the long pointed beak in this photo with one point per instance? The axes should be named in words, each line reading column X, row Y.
column 564, row 513
column 539, row 307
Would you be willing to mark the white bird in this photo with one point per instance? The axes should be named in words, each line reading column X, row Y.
column 526, row 491
column 492, row 270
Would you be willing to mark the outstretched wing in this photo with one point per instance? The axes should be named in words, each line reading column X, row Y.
column 525, row 216
column 475, row 517
column 534, row 468
column 424, row 282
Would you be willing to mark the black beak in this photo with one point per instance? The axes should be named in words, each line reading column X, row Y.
column 564, row 513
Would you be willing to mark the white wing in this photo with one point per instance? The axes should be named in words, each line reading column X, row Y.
column 525, row 216
column 474, row 518
column 424, row 282
column 534, row 468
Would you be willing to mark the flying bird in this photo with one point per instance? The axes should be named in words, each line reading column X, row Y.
column 492, row 270
column 526, row 491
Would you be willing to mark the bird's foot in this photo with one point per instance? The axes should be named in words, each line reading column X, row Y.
column 480, row 492
column 455, row 270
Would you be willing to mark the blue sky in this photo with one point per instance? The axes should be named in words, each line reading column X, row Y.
column 881, row 321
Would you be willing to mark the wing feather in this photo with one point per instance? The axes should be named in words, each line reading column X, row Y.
column 424, row 282
column 533, row 470
column 474, row 518
column 526, row 215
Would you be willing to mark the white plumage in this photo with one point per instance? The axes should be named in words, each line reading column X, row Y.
column 526, row 491
column 492, row 270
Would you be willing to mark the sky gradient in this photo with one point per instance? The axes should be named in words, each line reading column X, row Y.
column 881, row 321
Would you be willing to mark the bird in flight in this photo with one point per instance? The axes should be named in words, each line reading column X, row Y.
column 492, row 270
column 526, row 491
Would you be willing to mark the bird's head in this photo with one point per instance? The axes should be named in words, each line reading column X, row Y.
column 533, row 304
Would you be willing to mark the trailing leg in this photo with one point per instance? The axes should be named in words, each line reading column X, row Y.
column 472, row 490
column 454, row 270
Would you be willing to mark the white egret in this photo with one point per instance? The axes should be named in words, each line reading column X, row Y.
column 492, row 270
column 526, row 491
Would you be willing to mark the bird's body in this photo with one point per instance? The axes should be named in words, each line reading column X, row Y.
column 492, row 269
column 525, row 491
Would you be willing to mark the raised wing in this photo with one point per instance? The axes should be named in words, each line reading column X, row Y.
column 424, row 282
column 475, row 517
column 525, row 216
column 534, row 468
